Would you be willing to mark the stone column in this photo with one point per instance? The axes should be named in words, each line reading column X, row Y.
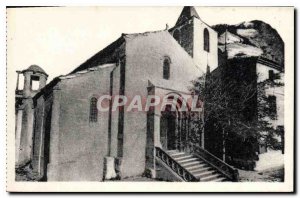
column 179, row 132
column 153, row 137
column 186, row 132
column 26, row 133
column 38, row 155
column 53, row 172
column 150, row 147
column 18, row 134
column 157, row 117
column 201, row 119
column 30, row 130
column 27, row 88
column 176, row 132
column 17, row 86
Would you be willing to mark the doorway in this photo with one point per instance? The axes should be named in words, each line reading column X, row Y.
column 168, row 128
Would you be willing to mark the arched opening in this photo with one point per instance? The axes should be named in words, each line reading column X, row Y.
column 177, row 36
column 168, row 128
column 93, row 110
column 174, row 125
column 206, row 40
column 166, row 68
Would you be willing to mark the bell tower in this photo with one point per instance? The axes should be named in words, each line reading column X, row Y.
column 197, row 38
column 35, row 79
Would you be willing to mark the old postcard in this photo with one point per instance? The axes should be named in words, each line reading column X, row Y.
column 150, row 99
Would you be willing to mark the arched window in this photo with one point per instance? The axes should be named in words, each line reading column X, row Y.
column 166, row 68
column 177, row 35
column 93, row 110
column 206, row 40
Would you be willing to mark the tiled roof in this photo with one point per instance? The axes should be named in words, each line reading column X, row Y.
column 81, row 72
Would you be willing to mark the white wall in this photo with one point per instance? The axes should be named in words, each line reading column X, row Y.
column 263, row 72
column 201, row 57
column 144, row 62
column 278, row 91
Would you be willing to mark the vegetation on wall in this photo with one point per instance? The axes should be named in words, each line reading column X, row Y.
column 236, row 115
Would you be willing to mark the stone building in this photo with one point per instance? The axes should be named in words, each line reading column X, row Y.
column 64, row 137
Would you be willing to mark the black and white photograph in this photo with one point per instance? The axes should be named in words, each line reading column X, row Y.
column 178, row 96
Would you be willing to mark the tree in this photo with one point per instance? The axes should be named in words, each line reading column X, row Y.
column 235, row 113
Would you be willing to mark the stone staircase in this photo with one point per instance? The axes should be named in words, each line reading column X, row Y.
column 197, row 167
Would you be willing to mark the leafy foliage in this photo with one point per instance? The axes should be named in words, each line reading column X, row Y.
column 238, row 112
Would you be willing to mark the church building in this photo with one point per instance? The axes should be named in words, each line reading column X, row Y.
column 62, row 136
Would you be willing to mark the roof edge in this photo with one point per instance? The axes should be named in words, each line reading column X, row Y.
column 118, row 42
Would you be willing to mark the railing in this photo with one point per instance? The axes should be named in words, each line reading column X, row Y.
column 176, row 167
column 217, row 163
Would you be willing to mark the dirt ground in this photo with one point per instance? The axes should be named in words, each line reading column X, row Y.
column 26, row 174
column 271, row 175
column 137, row 179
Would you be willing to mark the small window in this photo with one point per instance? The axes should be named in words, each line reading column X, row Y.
column 271, row 75
column 93, row 110
column 166, row 68
column 177, row 36
column 35, row 83
column 206, row 40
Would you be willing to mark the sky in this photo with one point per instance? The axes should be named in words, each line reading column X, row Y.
column 59, row 39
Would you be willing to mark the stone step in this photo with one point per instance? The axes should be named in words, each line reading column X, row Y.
column 220, row 179
column 187, row 160
column 176, row 154
column 200, row 169
column 181, row 157
column 170, row 151
column 193, row 163
column 205, row 174
column 210, row 177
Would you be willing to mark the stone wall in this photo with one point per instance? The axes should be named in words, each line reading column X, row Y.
column 145, row 54
column 43, row 112
column 26, row 133
column 186, row 36
column 81, row 144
